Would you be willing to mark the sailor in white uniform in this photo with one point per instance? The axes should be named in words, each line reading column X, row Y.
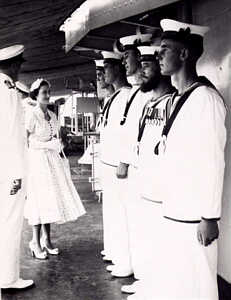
column 100, row 78
column 12, row 169
column 153, row 118
column 137, row 99
column 191, row 151
column 127, row 169
column 109, row 148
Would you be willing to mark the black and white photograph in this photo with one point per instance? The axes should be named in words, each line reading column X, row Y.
column 115, row 150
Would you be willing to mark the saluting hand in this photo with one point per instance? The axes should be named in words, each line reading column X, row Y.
column 16, row 186
column 207, row 232
column 122, row 170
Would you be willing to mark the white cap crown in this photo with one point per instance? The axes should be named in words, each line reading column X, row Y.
column 111, row 55
column 172, row 25
column 99, row 63
column 148, row 50
column 136, row 40
column 11, row 52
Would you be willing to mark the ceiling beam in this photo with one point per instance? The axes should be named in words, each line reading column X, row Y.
column 98, row 13
column 52, row 73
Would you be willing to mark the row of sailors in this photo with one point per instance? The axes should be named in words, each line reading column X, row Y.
column 162, row 154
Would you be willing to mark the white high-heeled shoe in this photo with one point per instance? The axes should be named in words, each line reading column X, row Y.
column 34, row 252
column 54, row 251
column 20, row 284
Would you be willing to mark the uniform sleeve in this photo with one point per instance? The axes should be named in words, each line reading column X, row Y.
column 12, row 147
column 30, row 121
column 212, row 144
column 125, row 145
column 128, row 138
column 129, row 135
column 124, row 156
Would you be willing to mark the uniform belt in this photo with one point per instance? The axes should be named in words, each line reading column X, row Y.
column 147, row 199
column 103, row 162
column 183, row 221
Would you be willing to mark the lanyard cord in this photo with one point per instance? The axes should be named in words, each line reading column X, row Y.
column 128, row 105
column 142, row 123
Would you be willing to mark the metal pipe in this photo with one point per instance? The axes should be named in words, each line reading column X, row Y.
column 136, row 24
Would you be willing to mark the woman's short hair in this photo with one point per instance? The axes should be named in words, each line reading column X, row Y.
column 35, row 87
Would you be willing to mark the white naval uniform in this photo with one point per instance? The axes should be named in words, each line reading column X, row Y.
column 110, row 143
column 191, row 188
column 149, row 221
column 130, row 191
column 12, row 167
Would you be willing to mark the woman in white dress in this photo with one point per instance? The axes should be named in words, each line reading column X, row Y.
column 51, row 195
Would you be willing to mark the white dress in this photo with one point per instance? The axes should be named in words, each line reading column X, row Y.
column 51, row 195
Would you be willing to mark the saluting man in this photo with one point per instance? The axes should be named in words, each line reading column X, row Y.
column 153, row 118
column 12, row 164
column 109, row 148
column 192, row 153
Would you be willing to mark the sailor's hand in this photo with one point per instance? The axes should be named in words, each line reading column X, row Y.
column 122, row 170
column 207, row 232
column 16, row 186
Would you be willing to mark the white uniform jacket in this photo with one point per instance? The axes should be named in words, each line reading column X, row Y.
column 149, row 164
column 129, row 130
column 193, row 161
column 12, row 142
column 110, row 137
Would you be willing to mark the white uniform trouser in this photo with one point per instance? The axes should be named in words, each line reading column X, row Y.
column 11, row 221
column 147, row 256
column 189, row 270
column 116, row 242
column 136, row 223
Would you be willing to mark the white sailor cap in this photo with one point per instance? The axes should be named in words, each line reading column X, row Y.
column 11, row 52
column 133, row 41
column 148, row 52
column 22, row 87
column 188, row 34
column 110, row 56
column 99, row 64
column 169, row 25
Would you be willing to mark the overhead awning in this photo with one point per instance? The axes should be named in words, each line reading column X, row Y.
column 97, row 13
